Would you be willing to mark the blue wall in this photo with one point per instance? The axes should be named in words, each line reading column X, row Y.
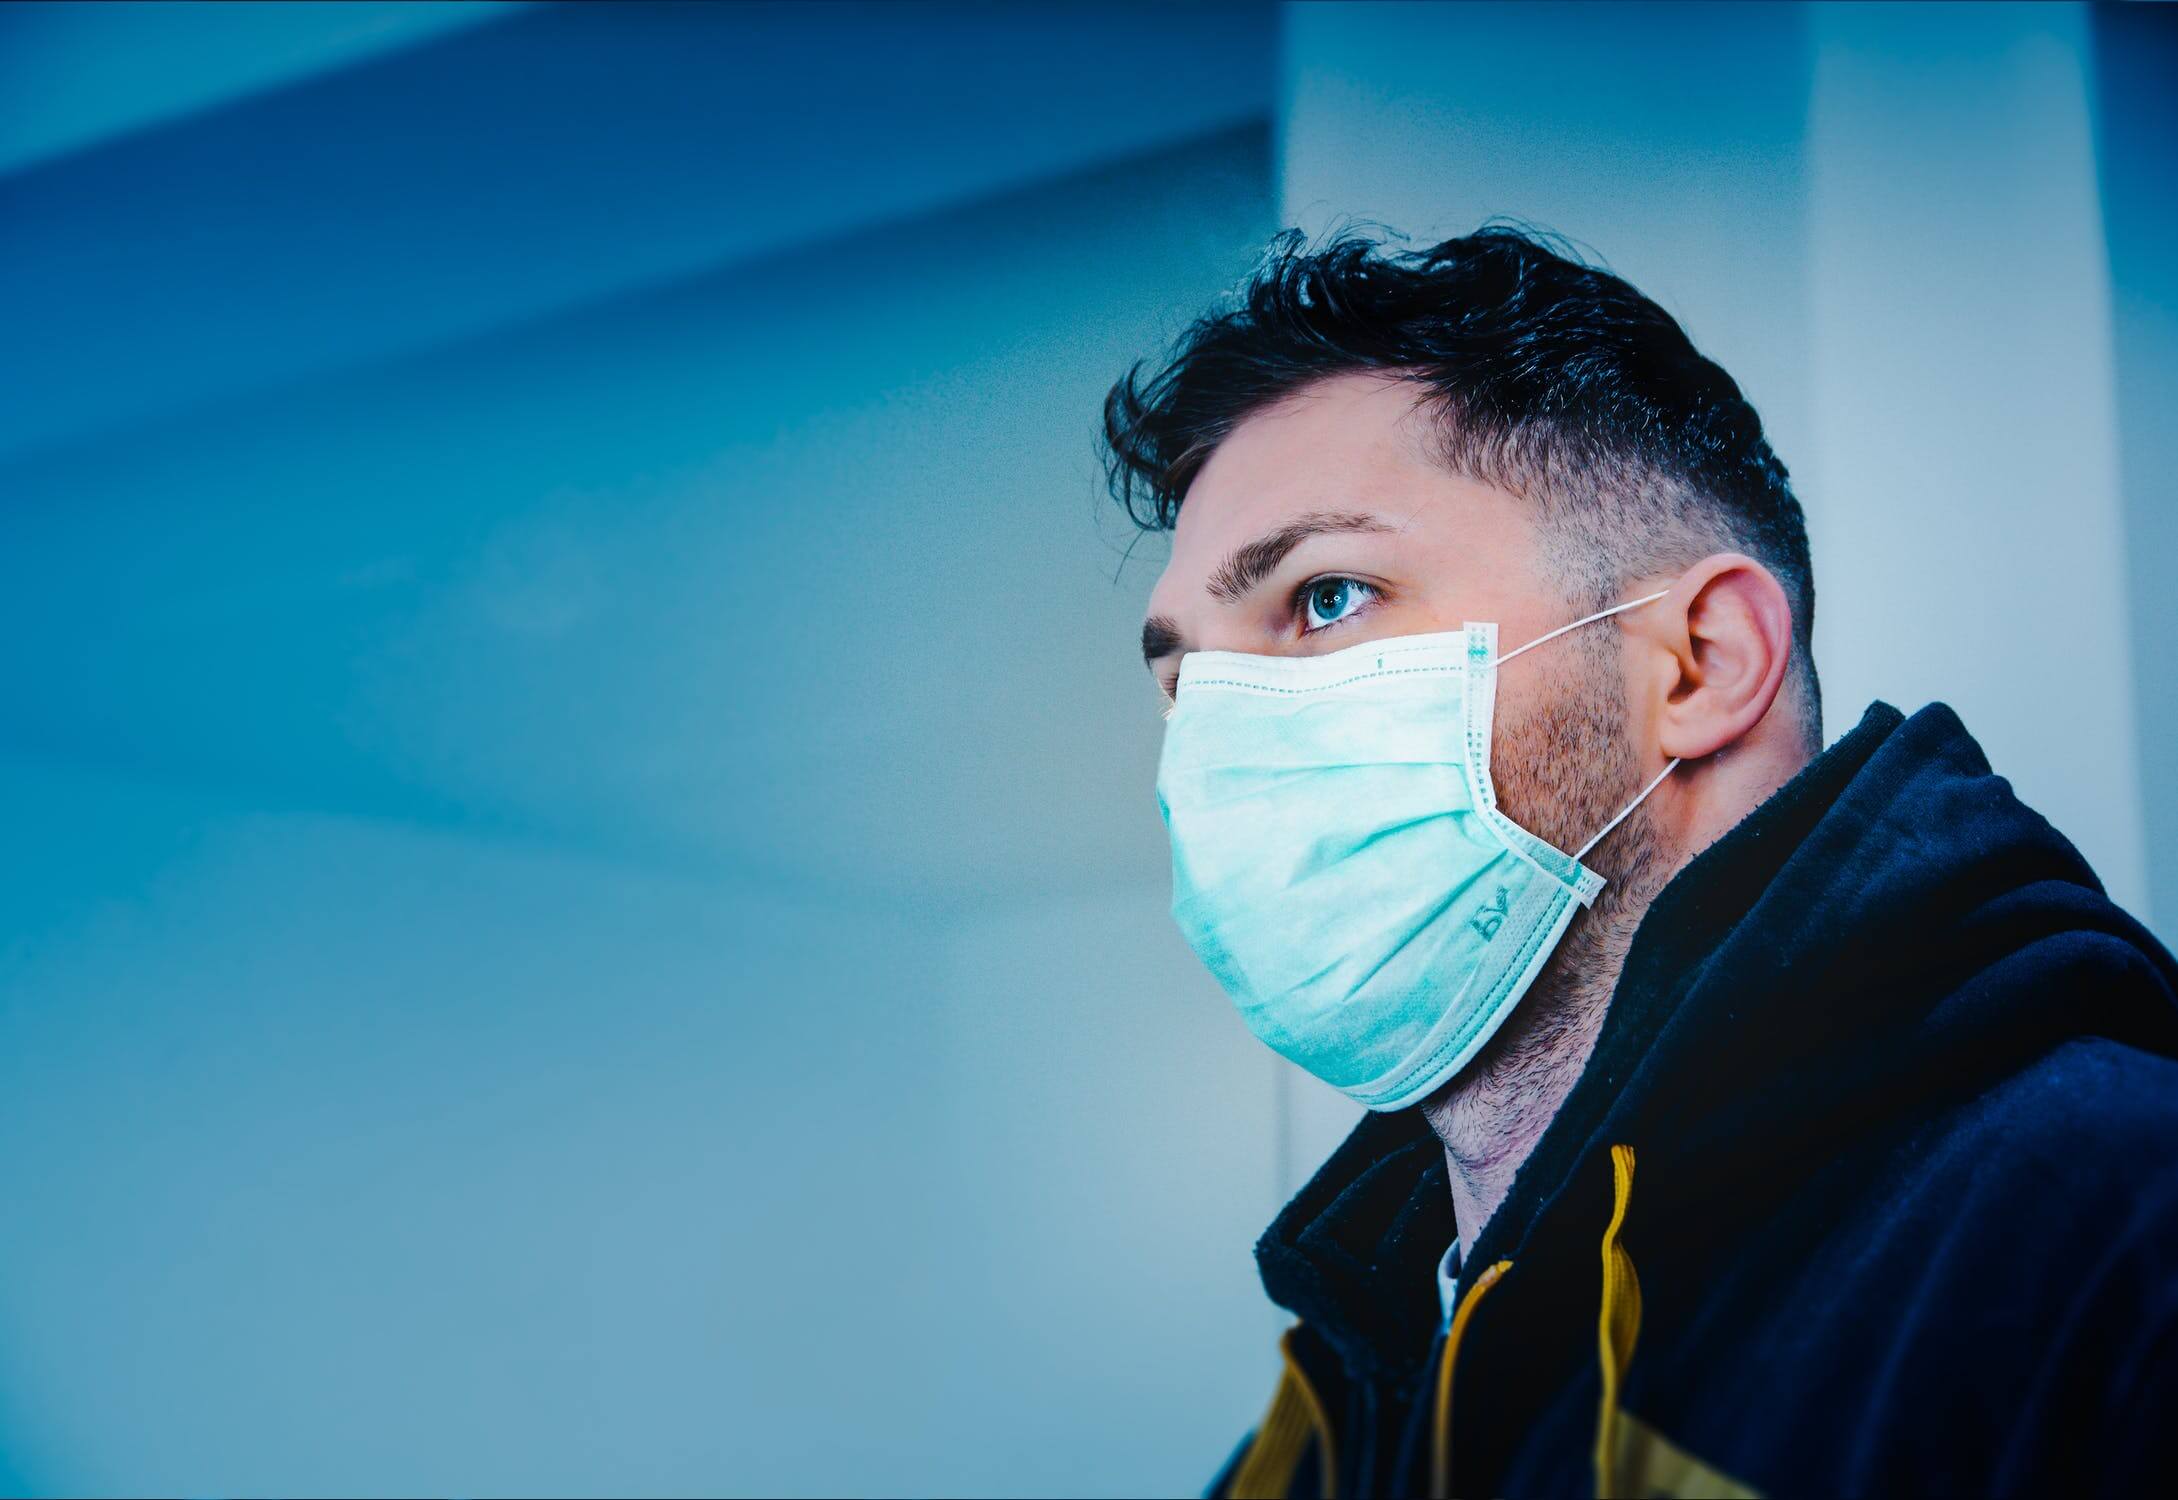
column 584, row 910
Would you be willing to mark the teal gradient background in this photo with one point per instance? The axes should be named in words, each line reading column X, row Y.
column 583, row 907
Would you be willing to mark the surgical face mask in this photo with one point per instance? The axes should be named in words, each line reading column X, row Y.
column 1339, row 861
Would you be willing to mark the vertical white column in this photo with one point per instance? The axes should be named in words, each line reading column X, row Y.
column 1969, row 537
column 2136, row 138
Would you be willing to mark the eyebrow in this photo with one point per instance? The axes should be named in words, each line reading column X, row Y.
column 1251, row 563
column 1159, row 638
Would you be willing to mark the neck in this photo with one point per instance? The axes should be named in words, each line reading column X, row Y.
column 1490, row 1116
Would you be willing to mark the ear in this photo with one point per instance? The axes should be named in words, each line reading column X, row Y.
column 1726, row 628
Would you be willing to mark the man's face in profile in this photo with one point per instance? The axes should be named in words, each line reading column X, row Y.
column 1321, row 523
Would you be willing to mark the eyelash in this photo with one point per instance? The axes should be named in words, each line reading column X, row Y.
column 1299, row 606
column 1300, row 601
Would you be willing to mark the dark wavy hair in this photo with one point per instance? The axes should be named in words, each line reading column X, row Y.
column 1547, row 377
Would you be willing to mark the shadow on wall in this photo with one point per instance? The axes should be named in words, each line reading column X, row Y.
column 570, row 931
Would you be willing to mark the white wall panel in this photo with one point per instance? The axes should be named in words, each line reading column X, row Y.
column 1969, row 534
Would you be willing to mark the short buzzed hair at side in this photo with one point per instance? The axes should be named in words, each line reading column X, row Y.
column 1547, row 377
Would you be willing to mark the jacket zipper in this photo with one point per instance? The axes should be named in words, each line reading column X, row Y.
column 1440, row 1426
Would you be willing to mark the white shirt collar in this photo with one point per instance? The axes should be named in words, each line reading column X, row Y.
column 1448, row 1279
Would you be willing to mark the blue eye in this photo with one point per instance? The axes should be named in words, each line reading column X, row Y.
column 1326, row 601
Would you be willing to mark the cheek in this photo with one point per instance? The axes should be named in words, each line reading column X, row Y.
column 1560, row 751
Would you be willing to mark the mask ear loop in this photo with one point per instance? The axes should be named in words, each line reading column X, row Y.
column 1601, row 614
column 1582, row 852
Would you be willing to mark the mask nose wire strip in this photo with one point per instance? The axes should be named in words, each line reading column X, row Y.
column 1582, row 852
column 1601, row 614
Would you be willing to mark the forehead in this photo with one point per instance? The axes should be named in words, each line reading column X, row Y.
column 1350, row 442
column 1338, row 441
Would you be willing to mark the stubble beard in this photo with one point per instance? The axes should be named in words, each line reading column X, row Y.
column 1563, row 768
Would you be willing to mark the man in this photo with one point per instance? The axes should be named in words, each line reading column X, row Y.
column 1744, row 1116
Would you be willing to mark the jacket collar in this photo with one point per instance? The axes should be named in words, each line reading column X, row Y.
column 1354, row 1253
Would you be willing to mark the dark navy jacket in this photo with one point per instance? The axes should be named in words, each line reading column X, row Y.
column 1893, row 1089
